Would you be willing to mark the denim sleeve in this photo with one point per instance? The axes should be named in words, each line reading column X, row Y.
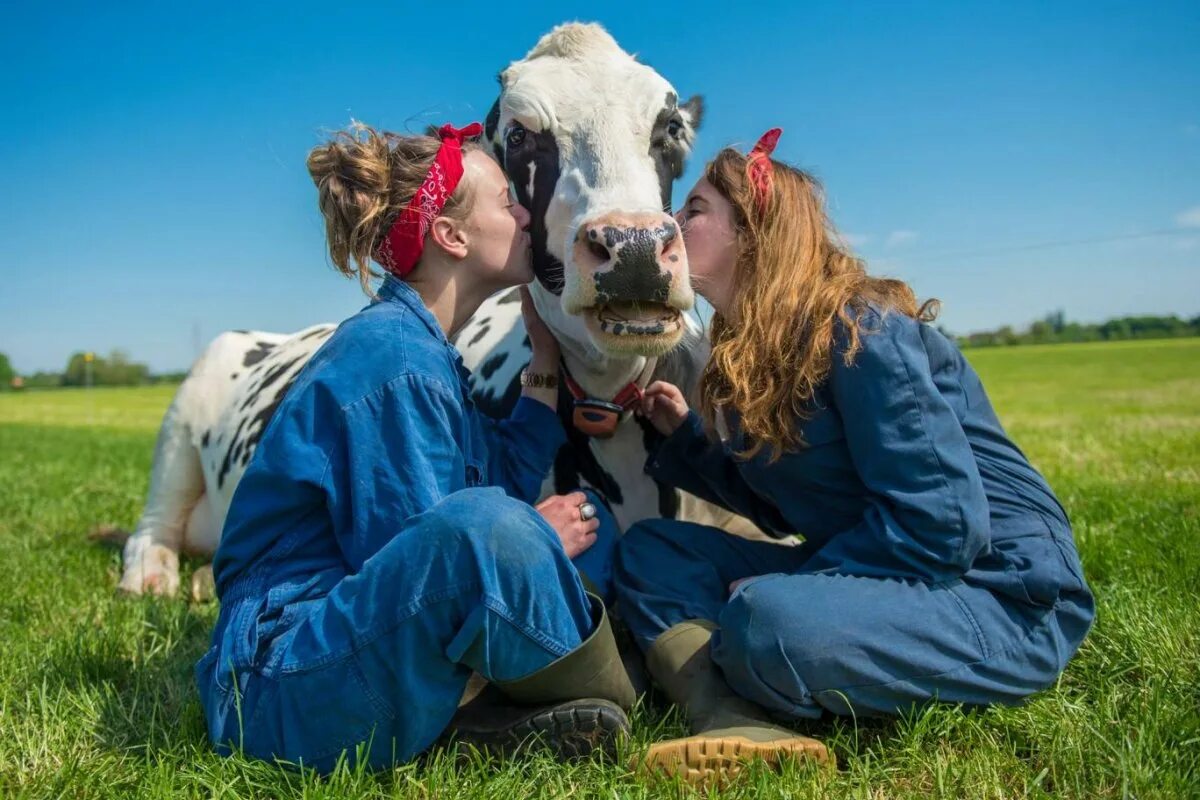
column 399, row 454
column 689, row 460
column 521, row 449
column 927, row 515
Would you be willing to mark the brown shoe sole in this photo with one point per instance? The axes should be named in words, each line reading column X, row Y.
column 703, row 760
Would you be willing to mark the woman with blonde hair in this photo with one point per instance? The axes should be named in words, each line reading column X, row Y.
column 937, row 564
column 381, row 545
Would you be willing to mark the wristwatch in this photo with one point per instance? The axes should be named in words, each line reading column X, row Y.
column 538, row 380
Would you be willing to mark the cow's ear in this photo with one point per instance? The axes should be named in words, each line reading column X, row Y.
column 693, row 111
column 490, row 131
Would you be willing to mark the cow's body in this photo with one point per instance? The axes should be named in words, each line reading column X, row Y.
column 603, row 249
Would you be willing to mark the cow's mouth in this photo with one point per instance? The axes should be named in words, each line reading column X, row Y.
column 636, row 327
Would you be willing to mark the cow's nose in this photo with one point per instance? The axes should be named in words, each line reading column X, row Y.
column 631, row 257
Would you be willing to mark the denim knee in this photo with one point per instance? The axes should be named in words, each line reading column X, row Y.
column 490, row 521
column 760, row 628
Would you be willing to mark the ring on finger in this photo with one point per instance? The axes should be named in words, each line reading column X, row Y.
column 587, row 511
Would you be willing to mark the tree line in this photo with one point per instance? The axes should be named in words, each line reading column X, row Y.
column 87, row 369
column 1054, row 328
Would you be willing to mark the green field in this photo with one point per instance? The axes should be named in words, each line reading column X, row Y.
column 96, row 697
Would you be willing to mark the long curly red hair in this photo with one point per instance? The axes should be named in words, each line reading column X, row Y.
column 794, row 282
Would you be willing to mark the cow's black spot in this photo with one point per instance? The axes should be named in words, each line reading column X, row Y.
column 490, row 122
column 263, row 417
column 261, row 350
column 227, row 461
column 204, row 439
column 575, row 462
column 483, row 331
column 233, row 376
column 314, row 333
column 539, row 149
column 488, row 368
column 668, row 498
column 498, row 407
column 268, row 379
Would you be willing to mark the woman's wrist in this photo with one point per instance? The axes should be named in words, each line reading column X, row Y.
column 539, row 380
column 543, row 364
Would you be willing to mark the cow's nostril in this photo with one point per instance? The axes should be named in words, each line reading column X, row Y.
column 598, row 250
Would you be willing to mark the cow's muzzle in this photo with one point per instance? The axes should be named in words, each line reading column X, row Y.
column 633, row 281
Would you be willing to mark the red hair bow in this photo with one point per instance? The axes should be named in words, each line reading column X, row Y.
column 401, row 248
column 759, row 167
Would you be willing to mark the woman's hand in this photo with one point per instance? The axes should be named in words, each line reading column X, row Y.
column 562, row 512
column 664, row 406
column 541, row 340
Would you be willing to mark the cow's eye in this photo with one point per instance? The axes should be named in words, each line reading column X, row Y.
column 516, row 136
column 674, row 129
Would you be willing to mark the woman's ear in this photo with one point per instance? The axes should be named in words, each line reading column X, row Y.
column 450, row 236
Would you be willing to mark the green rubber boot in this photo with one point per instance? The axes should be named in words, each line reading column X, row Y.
column 728, row 730
column 574, row 706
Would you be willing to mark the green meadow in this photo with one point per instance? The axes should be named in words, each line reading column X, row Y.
column 96, row 694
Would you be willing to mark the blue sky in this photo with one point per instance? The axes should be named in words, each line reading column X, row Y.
column 153, row 155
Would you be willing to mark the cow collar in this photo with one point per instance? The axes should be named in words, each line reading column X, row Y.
column 598, row 418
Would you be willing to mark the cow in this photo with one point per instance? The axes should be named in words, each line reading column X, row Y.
column 592, row 141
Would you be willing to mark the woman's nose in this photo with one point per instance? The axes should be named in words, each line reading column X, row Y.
column 522, row 214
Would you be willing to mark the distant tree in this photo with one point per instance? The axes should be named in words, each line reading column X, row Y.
column 115, row 370
column 6, row 372
column 1041, row 332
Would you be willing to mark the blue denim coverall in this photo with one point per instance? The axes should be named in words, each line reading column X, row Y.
column 937, row 562
column 380, row 547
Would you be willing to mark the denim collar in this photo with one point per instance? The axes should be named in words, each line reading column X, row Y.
column 394, row 290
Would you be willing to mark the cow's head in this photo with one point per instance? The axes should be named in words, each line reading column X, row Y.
column 592, row 141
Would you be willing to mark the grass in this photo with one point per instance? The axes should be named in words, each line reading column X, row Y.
column 96, row 698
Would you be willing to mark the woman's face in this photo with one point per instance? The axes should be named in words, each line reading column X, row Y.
column 496, row 225
column 710, row 237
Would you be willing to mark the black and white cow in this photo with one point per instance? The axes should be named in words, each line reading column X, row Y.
column 592, row 141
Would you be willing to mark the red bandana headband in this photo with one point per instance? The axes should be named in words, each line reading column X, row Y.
column 401, row 248
column 759, row 167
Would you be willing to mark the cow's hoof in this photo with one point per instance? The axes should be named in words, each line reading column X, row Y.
column 204, row 587
column 154, row 571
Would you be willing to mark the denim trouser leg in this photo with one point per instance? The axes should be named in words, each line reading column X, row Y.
column 667, row 572
column 799, row 644
column 478, row 583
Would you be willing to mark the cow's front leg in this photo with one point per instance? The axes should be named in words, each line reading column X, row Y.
column 150, row 567
column 176, row 487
